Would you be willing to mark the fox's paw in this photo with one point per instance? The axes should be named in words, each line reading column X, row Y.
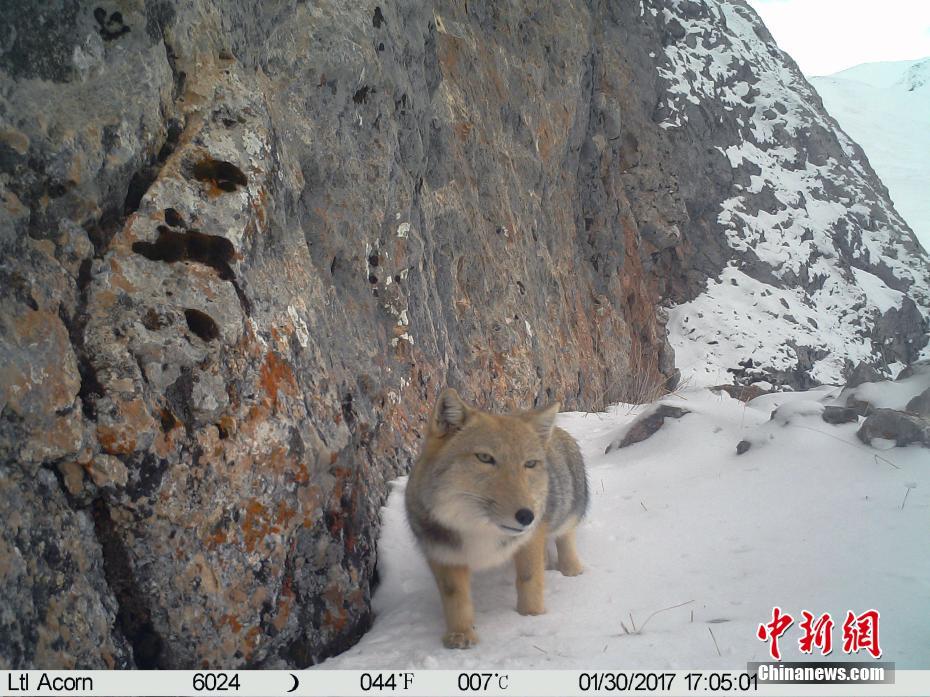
column 460, row 640
column 528, row 607
column 573, row 568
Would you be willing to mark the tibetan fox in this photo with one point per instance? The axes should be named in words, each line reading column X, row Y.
column 487, row 488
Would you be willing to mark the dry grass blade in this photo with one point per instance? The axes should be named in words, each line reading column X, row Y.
column 640, row 629
column 884, row 459
column 641, row 384
column 716, row 646
column 841, row 440
column 664, row 609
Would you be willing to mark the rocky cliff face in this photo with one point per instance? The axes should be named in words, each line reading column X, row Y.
column 245, row 244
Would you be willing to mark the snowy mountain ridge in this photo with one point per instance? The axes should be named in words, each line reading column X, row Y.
column 816, row 251
column 885, row 107
column 909, row 74
column 877, row 74
column 917, row 76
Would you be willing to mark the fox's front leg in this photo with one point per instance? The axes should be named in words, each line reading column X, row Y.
column 530, row 561
column 569, row 563
column 454, row 583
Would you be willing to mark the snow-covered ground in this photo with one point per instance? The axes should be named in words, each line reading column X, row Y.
column 739, row 317
column 808, row 519
column 885, row 108
column 880, row 74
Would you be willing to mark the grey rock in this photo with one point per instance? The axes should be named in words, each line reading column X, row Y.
column 863, row 372
column 916, row 368
column 839, row 415
column 646, row 425
column 53, row 576
column 744, row 393
column 859, row 406
column 903, row 331
column 902, row 428
column 920, row 404
column 743, row 446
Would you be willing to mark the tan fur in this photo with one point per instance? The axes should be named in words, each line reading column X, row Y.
column 569, row 563
column 531, row 569
column 470, row 496
column 455, row 591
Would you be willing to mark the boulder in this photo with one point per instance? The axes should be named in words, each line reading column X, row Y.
column 915, row 368
column 863, row 372
column 744, row 393
column 920, row 404
column 859, row 406
column 900, row 427
column 646, row 425
column 839, row 415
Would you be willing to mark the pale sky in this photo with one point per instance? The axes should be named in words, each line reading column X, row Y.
column 825, row 36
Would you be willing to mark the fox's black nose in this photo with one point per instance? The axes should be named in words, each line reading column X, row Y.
column 524, row 516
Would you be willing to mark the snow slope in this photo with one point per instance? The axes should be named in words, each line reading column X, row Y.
column 739, row 317
column 808, row 519
column 880, row 74
column 805, row 209
column 885, row 108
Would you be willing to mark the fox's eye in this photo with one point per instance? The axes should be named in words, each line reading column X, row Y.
column 484, row 457
column 530, row 464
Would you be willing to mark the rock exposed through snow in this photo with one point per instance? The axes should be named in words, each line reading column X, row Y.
column 645, row 425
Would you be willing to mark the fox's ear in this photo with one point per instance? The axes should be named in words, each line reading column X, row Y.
column 543, row 420
column 449, row 414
